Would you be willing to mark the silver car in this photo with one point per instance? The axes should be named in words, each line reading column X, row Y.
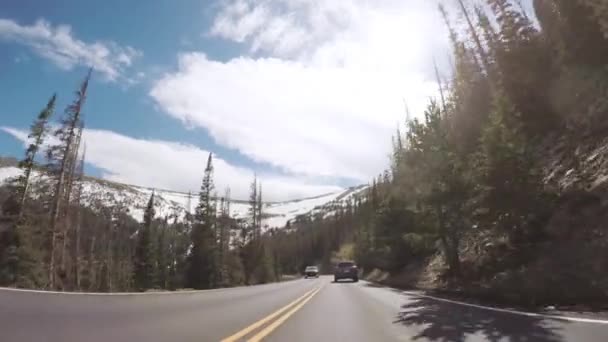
column 311, row 271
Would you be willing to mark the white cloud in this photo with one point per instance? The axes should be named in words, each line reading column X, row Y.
column 322, row 91
column 177, row 166
column 317, row 121
column 353, row 32
column 59, row 45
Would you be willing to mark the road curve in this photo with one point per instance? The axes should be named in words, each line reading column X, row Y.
column 299, row 310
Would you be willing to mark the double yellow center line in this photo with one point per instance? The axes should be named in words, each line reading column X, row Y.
column 285, row 311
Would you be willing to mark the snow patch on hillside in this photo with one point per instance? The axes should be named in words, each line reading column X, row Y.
column 172, row 204
column 9, row 172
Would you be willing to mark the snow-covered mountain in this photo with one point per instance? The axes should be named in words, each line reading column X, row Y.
column 173, row 203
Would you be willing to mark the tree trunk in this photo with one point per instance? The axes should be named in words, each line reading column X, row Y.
column 451, row 256
column 449, row 243
column 455, row 255
column 72, row 169
column 110, row 261
column 60, row 187
column 476, row 39
column 92, row 274
column 77, row 258
column 221, row 225
column 26, row 187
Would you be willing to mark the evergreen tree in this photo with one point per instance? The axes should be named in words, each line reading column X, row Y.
column 224, row 223
column 436, row 179
column 259, row 209
column 17, row 257
column 519, row 49
column 509, row 185
column 202, row 261
column 77, row 257
column 253, row 250
column 61, row 159
column 178, row 246
column 37, row 134
column 145, row 258
column 397, row 152
column 469, row 101
column 265, row 268
column 162, row 256
column 476, row 38
column 253, row 208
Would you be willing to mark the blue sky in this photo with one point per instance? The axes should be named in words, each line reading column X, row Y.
column 304, row 93
column 109, row 106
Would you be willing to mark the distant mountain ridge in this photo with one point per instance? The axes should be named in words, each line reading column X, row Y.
column 175, row 204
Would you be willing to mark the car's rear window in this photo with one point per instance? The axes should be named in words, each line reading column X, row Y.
column 311, row 268
column 346, row 264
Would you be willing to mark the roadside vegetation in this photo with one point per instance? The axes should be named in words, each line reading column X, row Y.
column 498, row 190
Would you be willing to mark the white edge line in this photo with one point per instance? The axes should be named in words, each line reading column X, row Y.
column 515, row 312
column 11, row 289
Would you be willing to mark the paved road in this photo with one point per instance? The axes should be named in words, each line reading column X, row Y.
column 300, row 310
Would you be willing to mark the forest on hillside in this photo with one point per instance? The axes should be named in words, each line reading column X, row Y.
column 499, row 190
column 473, row 174
column 495, row 191
column 53, row 238
column 49, row 238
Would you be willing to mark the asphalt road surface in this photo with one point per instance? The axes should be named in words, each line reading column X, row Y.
column 299, row 310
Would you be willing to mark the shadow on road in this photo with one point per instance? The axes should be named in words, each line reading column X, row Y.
column 440, row 321
column 344, row 282
column 376, row 285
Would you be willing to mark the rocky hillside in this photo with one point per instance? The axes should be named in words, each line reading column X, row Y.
column 565, row 267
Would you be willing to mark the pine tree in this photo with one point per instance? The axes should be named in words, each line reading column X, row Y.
column 71, row 178
column 397, row 152
column 262, row 256
column 476, row 38
column 16, row 258
column 223, row 223
column 509, row 188
column 37, row 134
column 61, row 159
column 252, row 252
column 437, row 182
column 490, row 35
column 162, row 256
column 514, row 26
column 259, row 208
column 202, row 261
column 144, row 260
column 179, row 242
column 253, row 208
column 216, row 265
column 265, row 267
column 524, row 66
column 77, row 231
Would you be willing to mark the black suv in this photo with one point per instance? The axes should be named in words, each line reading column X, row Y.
column 346, row 270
